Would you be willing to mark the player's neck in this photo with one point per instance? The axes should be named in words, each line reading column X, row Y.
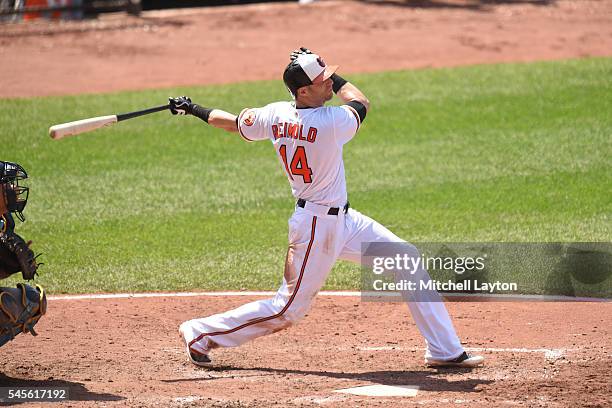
column 308, row 103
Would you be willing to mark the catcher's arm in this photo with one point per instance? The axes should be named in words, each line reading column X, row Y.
column 16, row 255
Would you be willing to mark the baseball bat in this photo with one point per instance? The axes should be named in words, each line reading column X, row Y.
column 87, row 125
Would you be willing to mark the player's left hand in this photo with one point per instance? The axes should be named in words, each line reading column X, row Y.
column 16, row 255
column 181, row 105
column 297, row 53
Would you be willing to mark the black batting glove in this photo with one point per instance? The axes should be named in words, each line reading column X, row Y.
column 181, row 105
column 297, row 53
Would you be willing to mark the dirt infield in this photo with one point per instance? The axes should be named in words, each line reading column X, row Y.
column 126, row 352
column 228, row 44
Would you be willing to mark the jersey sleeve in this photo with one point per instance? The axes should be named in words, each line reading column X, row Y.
column 346, row 123
column 252, row 124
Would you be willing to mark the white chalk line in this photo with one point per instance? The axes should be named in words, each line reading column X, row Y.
column 549, row 353
column 157, row 294
column 323, row 293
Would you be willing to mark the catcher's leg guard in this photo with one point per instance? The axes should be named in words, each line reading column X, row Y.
column 20, row 310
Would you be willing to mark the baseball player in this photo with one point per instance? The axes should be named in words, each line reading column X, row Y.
column 23, row 306
column 308, row 138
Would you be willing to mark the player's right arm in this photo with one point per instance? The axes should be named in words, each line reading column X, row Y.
column 348, row 92
column 348, row 118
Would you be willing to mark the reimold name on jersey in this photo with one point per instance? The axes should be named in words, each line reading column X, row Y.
column 294, row 131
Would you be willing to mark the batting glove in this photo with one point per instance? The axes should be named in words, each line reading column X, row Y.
column 297, row 53
column 180, row 105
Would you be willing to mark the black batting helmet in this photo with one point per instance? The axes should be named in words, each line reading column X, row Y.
column 14, row 196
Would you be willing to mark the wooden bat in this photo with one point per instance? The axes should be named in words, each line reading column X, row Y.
column 87, row 125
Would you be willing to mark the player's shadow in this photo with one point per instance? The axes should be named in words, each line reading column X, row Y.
column 76, row 391
column 477, row 5
column 425, row 380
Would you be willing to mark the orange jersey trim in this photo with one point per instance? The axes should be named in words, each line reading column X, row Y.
column 240, row 125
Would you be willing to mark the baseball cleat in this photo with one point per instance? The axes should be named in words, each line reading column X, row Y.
column 464, row 360
column 199, row 359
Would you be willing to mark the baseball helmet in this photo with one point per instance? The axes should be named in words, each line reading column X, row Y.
column 306, row 69
column 13, row 195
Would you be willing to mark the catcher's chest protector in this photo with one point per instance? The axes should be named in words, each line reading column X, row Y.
column 20, row 310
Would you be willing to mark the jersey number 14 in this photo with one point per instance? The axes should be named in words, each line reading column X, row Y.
column 299, row 163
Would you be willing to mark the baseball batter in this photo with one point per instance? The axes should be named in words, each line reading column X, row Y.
column 309, row 138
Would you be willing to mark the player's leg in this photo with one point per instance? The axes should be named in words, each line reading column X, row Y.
column 430, row 315
column 314, row 242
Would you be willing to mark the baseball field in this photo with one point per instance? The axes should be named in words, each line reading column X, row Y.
column 494, row 127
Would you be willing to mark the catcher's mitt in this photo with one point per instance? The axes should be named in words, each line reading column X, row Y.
column 20, row 310
column 16, row 255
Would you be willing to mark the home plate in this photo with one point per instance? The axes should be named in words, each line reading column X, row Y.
column 380, row 390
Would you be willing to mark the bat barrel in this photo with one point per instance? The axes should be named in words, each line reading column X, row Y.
column 80, row 126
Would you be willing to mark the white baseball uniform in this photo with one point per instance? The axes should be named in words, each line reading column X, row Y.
column 309, row 144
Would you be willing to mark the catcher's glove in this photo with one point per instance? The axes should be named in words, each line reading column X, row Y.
column 20, row 310
column 16, row 255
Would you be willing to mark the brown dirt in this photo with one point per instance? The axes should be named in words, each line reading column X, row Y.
column 126, row 352
column 228, row 44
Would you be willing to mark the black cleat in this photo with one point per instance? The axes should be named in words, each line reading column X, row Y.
column 464, row 360
column 201, row 360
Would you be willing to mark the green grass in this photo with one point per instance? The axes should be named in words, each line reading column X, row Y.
column 486, row 153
